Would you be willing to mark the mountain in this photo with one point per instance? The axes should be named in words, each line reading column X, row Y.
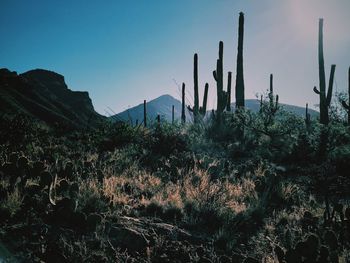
column 44, row 95
column 160, row 106
column 254, row 105
column 163, row 106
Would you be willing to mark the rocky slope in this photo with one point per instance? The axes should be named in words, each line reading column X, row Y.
column 44, row 95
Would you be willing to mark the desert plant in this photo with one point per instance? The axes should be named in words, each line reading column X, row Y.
column 239, row 75
column 218, row 76
column 347, row 105
column 325, row 96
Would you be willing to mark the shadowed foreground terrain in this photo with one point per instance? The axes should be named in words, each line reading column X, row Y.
column 203, row 192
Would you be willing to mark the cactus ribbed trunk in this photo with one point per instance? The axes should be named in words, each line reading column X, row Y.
column 307, row 118
column 347, row 105
column 271, row 90
column 183, row 113
column 205, row 99
column 348, row 108
column 239, row 74
column 144, row 113
column 229, row 81
column 173, row 114
column 325, row 96
column 195, row 80
column 324, row 119
column 218, row 76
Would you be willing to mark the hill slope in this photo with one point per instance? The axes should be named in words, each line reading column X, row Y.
column 163, row 106
column 44, row 95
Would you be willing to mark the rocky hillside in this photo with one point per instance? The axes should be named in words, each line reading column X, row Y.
column 44, row 95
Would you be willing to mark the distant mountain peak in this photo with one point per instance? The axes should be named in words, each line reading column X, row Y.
column 162, row 106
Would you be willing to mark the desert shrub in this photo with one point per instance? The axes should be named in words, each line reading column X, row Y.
column 167, row 139
column 12, row 203
column 118, row 135
column 90, row 198
column 17, row 131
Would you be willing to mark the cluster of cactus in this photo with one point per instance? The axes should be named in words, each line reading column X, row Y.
column 320, row 248
column 196, row 109
column 18, row 169
column 325, row 97
column 311, row 250
column 347, row 105
column 222, row 96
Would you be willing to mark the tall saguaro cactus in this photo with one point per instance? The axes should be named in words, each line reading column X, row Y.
column 307, row 118
column 239, row 74
column 218, row 76
column 172, row 114
column 183, row 113
column 273, row 103
column 347, row 105
column 325, row 96
column 229, row 80
column 195, row 108
column 144, row 113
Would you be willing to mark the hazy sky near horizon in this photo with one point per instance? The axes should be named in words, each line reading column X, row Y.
column 123, row 52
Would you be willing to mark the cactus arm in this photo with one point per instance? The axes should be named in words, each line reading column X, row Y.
column 215, row 76
column 330, row 86
column 316, row 91
column 345, row 105
column 195, row 80
column 205, row 98
column 229, row 81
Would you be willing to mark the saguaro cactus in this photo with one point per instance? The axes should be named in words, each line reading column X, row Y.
column 173, row 114
column 239, row 74
column 144, row 113
column 195, row 108
column 183, row 113
column 307, row 117
column 325, row 99
column 229, row 80
column 347, row 105
column 273, row 102
column 218, row 76
column 203, row 109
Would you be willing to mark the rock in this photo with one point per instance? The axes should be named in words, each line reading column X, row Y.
column 250, row 260
column 128, row 238
column 45, row 179
column 331, row 239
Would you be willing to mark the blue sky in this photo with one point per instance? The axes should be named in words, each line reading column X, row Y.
column 123, row 52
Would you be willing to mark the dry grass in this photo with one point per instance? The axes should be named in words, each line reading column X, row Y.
column 12, row 202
